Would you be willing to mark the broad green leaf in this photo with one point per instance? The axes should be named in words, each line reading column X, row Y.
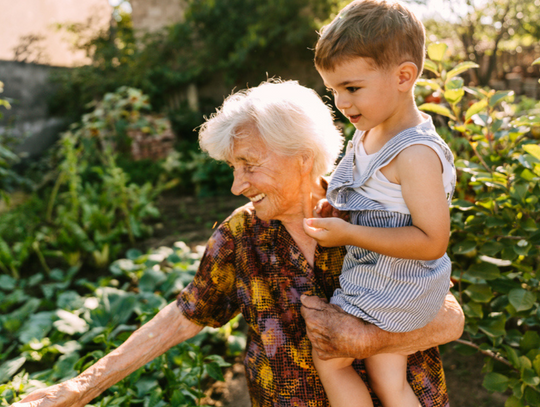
column 513, row 401
column 428, row 83
column 536, row 365
column 512, row 356
column 473, row 310
column 214, row 371
column 70, row 323
column 462, row 67
column 485, row 271
column 499, row 96
column 496, row 382
column 493, row 326
column 453, row 96
column 536, row 61
column 436, row 108
column 464, row 247
column 521, row 299
column 7, row 283
column 529, row 376
column 491, row 248
column 36, row 327
column 479, row 292
column 476, row 108
column 436, row 51
column 530, row 340
column 431, row 66
column 533, row 149
column 526, row 121
column 9, row 368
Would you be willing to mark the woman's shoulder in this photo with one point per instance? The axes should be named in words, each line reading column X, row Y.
column 243, row 219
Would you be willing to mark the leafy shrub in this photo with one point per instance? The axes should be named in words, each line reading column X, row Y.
column 495, row 241
column 93, row 208
column 55, row 326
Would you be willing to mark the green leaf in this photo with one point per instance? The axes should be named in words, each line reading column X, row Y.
column 473, row 310
column 529, row 377
column 493, row 326
column 214, row 371
column 530, row 340
column 533, row 149
column 499, row 96
column 454, row 90
column 536, row 61
column 462, row 67
column 431, row 66
column 512, row 356
column 428, row 83
column 436, row 51
column 491, row 248
column 476, row 108
column 479, row 292
column 496, row 382
column 513, row 401
column 436, row 108
column 521, row 299
column 536, row 365
column 9, row 368
column 485, row 271
column 70, row 323
column 464, row 247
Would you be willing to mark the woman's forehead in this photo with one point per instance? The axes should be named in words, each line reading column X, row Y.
column 248, row 149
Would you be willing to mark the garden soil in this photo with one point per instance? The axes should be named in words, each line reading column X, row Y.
column 192, row 220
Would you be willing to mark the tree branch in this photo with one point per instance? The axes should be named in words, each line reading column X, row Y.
column 489, row 353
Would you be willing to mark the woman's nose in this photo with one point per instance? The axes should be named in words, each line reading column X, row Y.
column 239, row 184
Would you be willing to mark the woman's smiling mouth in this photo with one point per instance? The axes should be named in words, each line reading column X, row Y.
column 257, row 198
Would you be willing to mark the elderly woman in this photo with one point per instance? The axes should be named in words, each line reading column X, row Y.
column 280, row 139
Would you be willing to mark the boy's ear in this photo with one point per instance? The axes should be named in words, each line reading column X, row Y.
column 407, row 73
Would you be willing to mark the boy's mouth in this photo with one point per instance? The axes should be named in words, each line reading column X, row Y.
column 355, row 118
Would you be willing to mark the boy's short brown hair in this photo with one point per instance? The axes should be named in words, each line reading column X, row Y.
column 385, row 31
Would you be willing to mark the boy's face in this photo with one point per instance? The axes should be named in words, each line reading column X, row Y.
column 367, row 96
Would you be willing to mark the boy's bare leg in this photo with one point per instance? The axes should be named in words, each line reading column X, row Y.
column 387, row 375
column 342, row 384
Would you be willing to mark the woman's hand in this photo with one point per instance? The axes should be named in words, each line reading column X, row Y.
column 334, row 333
column 60, row 395
column 328, row 232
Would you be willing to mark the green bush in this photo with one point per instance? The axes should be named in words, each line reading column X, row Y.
column 495, row 240
column 55, row 326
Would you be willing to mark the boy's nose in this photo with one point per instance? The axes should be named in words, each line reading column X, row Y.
column 342, row 102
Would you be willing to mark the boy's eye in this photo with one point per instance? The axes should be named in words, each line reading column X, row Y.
column 352, row 89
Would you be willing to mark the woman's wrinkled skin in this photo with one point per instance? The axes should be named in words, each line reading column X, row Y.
column 336, row 334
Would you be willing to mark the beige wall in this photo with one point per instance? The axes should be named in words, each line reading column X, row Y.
column 29, row 25
column 151, row 15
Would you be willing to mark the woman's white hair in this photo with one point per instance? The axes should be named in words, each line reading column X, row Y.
column 291, row 119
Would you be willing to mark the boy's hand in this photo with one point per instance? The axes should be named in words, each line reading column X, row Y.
column 325, row 210
column 328, row 232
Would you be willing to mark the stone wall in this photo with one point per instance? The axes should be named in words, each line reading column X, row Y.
column 151, row 15
column 27, row 86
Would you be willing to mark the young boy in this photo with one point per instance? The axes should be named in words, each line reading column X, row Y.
column 397, row 179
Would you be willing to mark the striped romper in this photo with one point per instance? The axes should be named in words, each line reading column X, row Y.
column 397, row 295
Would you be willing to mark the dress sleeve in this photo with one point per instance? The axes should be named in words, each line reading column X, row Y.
column 211, row 298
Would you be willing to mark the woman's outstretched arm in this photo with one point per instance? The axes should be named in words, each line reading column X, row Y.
column 167, row 329
column 336, row 334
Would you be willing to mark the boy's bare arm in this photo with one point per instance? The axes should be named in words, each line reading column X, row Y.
column 336, row 334
column 168, row 328
column 419, row 170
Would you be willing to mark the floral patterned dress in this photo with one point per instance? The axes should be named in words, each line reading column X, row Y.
column 254, row 267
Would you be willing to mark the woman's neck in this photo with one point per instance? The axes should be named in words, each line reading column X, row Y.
column 295, row 224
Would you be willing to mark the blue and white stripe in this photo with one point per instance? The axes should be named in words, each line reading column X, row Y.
column 397, row 295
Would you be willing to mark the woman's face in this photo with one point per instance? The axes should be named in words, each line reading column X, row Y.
column 271, row 181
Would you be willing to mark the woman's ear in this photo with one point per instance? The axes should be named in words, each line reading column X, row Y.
column 306, row 162
column 407, row 74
